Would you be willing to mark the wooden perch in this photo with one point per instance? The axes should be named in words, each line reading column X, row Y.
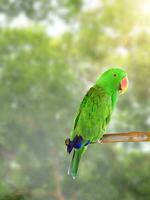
column 133, row 136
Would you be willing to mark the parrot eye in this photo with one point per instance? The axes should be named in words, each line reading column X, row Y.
column 115, row 75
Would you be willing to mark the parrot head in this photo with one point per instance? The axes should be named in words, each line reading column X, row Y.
column 114, row 80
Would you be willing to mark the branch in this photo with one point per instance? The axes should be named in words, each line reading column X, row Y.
column 133, row 136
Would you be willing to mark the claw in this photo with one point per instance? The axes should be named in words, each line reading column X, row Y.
column 99, row 141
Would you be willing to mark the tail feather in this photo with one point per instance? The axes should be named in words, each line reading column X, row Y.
column 77, row 154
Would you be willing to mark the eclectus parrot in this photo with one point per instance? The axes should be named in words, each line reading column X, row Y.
column 95, row 113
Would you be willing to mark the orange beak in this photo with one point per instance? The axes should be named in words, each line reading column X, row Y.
column 123, row 85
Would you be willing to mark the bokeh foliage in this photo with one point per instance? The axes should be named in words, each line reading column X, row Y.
column 42, row 81
column 38, row 10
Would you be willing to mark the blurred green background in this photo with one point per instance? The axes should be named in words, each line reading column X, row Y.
column 51, row 52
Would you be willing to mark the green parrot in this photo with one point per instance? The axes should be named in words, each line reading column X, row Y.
column 95, row 113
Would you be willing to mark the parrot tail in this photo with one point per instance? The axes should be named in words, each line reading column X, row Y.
column 77, row 154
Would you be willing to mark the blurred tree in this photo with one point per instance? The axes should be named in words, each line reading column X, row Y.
column 36, row 87
column 42, row 81
column 40, row 10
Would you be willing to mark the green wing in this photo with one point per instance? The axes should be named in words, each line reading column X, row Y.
column 93, row 116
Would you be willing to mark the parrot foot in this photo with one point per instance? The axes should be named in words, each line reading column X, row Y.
column 99, row 141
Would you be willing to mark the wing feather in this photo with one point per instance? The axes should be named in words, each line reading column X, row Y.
column 94, row 114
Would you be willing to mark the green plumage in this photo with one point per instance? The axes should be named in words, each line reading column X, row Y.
column 95, row 112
